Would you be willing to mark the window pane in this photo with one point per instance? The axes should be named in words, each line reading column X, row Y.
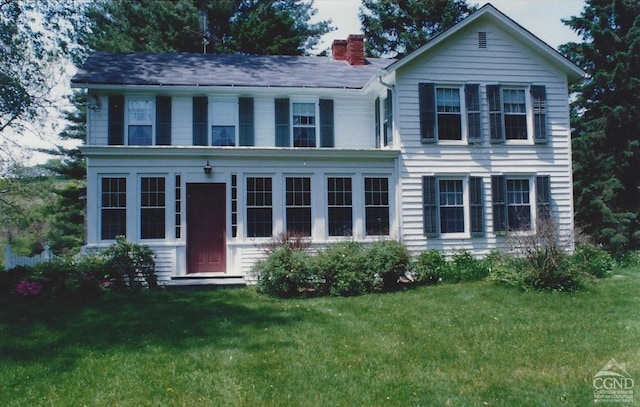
column 339, row 207
column 298, row 202
column 376, row 206
column 449, row 116
column 223, row 135
column 113, row 212
column 518, row 204
column 152, row 211
column 140, row 135
column 451, row 206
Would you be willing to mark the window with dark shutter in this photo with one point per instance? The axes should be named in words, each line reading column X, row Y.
column 426, row 95
column 245, row 118
column 543, row 196
column 326, row 123
column 116, row 120
column 163, row 120
column 472, row 104
column 495, row 114
column 200, row 121
column 430, row 202
column 282, row 122
column 376, row 112
column 476, row 206
column 539, row 101
column 388, row 119
column 498, row 195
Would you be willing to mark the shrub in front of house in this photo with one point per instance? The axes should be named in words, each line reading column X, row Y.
column 342, row 270
column 592, row 260
column 387, row 260
column 429, row 267
column 130, row 265
column 463, row 267
column 285, row 272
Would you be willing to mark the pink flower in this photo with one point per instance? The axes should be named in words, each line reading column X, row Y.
column 28, row 288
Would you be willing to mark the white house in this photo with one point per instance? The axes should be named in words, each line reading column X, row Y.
column 206, row 157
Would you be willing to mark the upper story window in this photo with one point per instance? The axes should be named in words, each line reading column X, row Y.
column 510, row 112
column 223, row 122
column 147, row 121
column 304, row 123
column 449, row 114
column 140, row 122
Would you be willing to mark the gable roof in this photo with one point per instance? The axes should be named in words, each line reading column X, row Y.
column 495, row 16
column 184, row 69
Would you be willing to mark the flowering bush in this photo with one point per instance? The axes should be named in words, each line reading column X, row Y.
column 29, row 288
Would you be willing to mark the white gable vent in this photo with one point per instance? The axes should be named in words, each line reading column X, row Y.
column 482, row 39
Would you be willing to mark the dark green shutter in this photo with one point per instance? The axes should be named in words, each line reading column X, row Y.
column 427, row 100
column 245, row 118
column 495, row 114
column 116, row 120
column 163, row 120
column 539, row 99
column 430, row 202
column 476, row 203
column 499, row 197
column 543, row 196
column 376, row 112
column 326, row 123
column 472, row 104
column 200, row 121
column 283, row 134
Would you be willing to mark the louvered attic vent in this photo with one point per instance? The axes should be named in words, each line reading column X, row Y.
column 482, row 39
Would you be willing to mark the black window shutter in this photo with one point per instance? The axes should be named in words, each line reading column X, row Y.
column 499, row 197
column 495, row 114
column 200, row 121
column 543, row 196
column 427, row 100
column 539, row 98
column 476, row 203
column 472, row 104
column 116, row 120
column 326, row 123
column 376, row 112
column 245, row 117
column 163, row 120
column 430, row 202
column 282, row 122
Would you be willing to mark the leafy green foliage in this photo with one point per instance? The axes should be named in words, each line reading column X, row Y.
column 396, row 28
column 606, row 121
column 342, row 270
column 131, row 265
column 592, row 260
column 284, row 272
column 388, row 260
column 464, row 267
column 429, row 267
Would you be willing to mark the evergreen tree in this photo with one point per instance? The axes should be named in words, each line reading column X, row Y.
column 606, row 121
column 398, row 27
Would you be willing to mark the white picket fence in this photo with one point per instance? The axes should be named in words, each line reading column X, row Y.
column 11, row 260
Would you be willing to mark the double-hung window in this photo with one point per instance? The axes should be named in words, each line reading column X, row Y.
column 510, row 110
column 512, row 201
column 223, row 122
column 304, row 124
column 452, row 206
column 298, row 205
column 259, row 207
column 113, row 211
column 140, row 122
column 340, row 210
column 449, row 114
column 376, row 206
column 152, row 208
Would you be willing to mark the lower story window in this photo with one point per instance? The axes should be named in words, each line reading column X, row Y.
column 339, row 202
column 518, row 204
column 259, row 207
column 113, row 210
column 298, row 205
column 451, row 206
column 152, row 208
column 376, row 203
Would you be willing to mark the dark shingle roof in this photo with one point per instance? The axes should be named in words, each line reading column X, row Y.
column 103, row 68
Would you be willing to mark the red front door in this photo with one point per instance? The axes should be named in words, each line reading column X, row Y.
column 206, row 228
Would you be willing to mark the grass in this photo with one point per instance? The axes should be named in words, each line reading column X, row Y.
column 469, row 344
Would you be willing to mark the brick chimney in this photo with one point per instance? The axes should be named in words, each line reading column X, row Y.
column 339, row 50
column 350, row 50
column 355, row 49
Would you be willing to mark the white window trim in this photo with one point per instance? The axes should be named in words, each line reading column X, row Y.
column 463, row 114
column 138, row 206
column 316, row 103
column 528, row 108
column 533, row 199
column 235, row 120
column 135, row 98
column 128, row 199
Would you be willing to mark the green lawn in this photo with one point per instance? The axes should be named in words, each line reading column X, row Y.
column 471, row 344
